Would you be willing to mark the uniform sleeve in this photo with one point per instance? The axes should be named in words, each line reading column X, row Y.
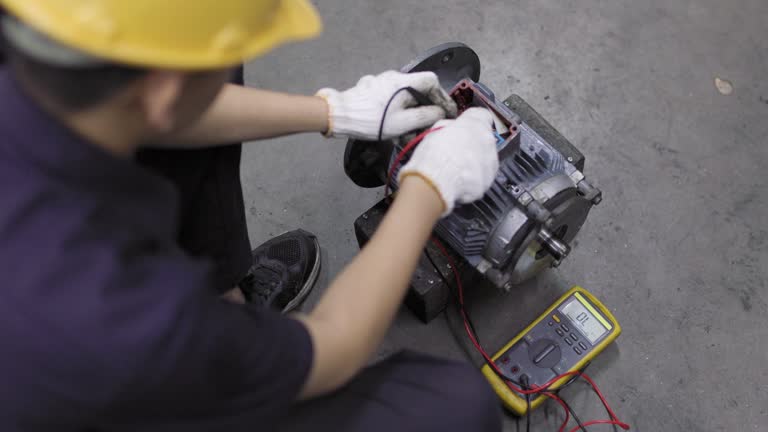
column 187, row 357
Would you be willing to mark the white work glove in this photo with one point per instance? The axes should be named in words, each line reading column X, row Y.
column 460, row 160
column 358, row 112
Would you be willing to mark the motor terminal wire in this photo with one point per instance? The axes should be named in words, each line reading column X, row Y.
column 499, row 138
column 498, row 124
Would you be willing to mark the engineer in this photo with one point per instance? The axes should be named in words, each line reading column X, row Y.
column 130, row 299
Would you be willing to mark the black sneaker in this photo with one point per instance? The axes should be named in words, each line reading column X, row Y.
column 284, row 271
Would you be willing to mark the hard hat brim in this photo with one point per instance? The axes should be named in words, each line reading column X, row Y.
column 293, row 20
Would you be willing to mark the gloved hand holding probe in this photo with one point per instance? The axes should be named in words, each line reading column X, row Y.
column 359, row 111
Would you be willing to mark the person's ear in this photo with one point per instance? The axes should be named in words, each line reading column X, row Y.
column 160, row 91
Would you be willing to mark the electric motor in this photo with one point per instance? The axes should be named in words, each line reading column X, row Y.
column 539, row 200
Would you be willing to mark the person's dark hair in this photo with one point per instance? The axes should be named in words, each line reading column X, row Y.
column 72, row 89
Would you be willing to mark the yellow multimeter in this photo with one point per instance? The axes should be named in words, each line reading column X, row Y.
column 567, row 336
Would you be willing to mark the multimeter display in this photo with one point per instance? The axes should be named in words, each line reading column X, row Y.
column 584, row 320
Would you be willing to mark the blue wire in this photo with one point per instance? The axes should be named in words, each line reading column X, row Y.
column 499, row 138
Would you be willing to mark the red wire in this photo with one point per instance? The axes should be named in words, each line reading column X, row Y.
column 411, row 144
column 594, row 422
column 565, row 408
column 605, row 403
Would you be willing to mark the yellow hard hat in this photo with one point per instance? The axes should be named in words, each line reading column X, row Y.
column 181, row 34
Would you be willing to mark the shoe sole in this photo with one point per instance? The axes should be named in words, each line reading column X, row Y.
column 310, row 282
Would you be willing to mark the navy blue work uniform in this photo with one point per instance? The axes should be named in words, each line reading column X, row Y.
column 108, row 324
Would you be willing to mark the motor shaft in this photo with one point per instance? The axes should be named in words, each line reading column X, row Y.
column 554, row 246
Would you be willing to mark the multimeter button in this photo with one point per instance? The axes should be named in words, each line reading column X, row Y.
column 578, row 351
column 559, row 332
column 565, row 327
column 584, row 347
column 543, row 353
column 574, row 337
column 568, row 341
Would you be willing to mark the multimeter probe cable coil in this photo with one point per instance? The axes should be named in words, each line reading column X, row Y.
column 512, row 383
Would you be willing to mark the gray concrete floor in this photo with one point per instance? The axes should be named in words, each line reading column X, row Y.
column 677, row 249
